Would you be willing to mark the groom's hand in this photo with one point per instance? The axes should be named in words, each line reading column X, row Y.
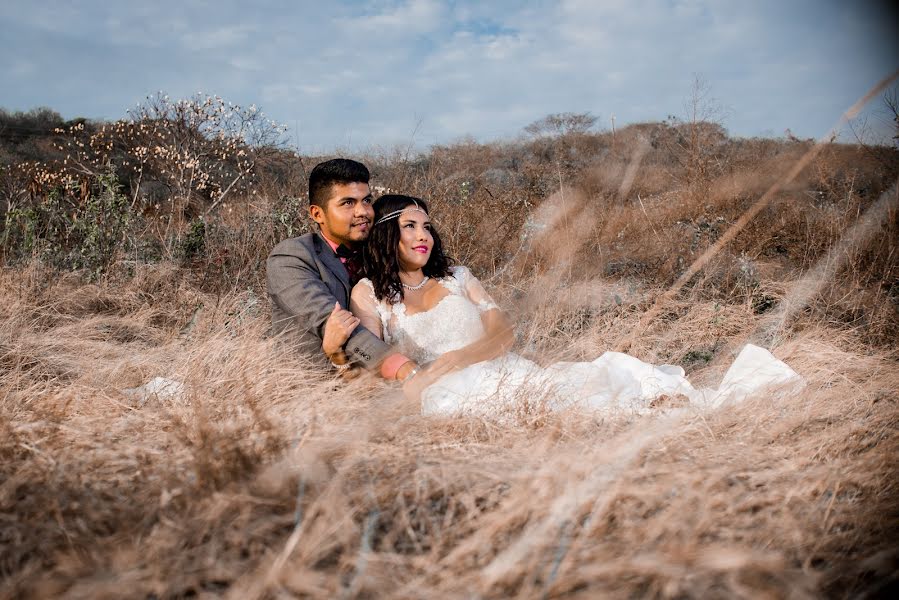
column 338, row 328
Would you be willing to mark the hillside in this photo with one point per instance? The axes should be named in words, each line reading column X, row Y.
column 271, row 479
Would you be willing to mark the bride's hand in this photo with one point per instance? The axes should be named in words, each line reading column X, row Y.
column 446, row 363
column 415, row 385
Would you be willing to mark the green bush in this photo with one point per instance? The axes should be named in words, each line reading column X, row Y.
column 72, row 230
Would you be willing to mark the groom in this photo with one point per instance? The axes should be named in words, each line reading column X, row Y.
column 310, row 277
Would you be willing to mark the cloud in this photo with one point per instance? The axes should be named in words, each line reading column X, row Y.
column 219, row 38
column 246, row 63
column 19, row 67
column 410, row 17
column 369, row 71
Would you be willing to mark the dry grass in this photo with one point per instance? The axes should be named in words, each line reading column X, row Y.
column 269, row 479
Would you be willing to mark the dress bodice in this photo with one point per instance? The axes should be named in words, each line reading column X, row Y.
column 452, row 323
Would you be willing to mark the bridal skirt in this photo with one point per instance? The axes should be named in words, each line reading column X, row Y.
column 612, row 382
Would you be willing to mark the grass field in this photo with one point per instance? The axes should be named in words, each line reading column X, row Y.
column 271, row 479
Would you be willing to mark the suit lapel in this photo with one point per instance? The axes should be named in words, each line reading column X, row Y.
column 333, row 264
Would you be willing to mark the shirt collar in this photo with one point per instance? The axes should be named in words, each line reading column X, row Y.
column 333, row 245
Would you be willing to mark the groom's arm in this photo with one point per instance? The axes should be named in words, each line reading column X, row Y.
column 296, row 287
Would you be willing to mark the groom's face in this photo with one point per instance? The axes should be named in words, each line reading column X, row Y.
column 347, row 216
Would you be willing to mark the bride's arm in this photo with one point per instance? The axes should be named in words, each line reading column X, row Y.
column 499, row 335
column 499, row 331
column 364, row 305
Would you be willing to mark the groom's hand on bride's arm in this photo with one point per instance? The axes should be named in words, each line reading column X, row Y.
column 338, row 328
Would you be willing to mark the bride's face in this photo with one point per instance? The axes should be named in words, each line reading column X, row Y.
column 416, row 240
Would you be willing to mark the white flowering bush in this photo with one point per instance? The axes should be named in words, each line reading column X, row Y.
column 175, row 161
column 195, row 151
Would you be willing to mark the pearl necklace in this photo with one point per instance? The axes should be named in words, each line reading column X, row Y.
column 413, row 288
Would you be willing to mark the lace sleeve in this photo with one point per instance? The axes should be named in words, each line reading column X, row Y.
column 473, row 289
column 364, row 305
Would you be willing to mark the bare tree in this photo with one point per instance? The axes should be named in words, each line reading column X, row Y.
column 891, row 100
column 698, row 137
column 559, row 124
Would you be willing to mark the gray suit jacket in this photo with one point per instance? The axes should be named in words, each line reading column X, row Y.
column 305, row 278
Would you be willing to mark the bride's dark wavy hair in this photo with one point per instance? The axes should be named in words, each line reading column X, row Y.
column 380, row 261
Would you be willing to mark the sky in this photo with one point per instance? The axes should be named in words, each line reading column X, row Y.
column 349, row 75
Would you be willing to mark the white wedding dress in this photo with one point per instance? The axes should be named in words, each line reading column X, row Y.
column 497, row 388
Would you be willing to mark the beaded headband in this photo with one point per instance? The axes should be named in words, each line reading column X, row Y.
column 397, row 213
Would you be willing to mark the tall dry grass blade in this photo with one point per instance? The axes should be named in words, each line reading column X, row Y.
column 633, row 166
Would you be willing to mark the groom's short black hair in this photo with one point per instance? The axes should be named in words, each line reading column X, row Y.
column 336, row 170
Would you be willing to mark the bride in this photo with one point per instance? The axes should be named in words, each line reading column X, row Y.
column 441, row 317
